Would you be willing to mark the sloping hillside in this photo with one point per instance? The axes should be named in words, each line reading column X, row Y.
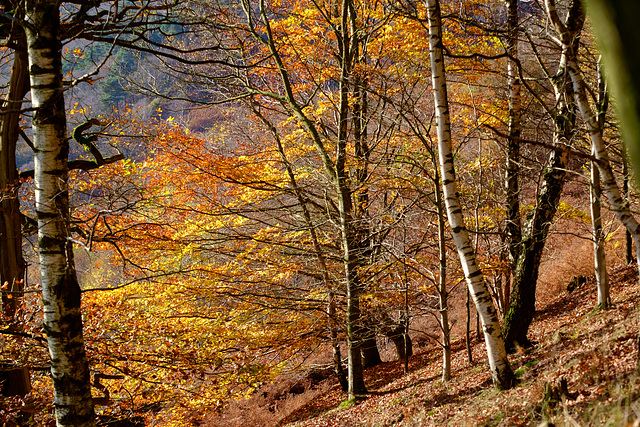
column 594, row 351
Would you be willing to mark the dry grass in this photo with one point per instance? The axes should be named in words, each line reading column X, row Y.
column 273, row 402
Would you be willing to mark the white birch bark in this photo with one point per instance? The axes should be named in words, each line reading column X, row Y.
column 615, row 23
column 599, row 256
column 60, row 288
column 501, row 373
column 512, row 167
column 595, row 194
column 442, row 285
column 610, row 186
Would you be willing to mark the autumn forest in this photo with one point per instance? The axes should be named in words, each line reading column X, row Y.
column 203, row 199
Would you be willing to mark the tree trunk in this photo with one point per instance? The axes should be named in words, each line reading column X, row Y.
column 501, row 373
column 512, row 203
column 331, row 295
column 616, row 24
column 338, row 177
column 442, row 288
column 403, row 344
column 507, row 293
column 626, row 190
column 351, row 255
column 617, row 202
column 369, row 349
column 60, row 288
column 401, row 340
column 12, row 263
column 523, row 293
column 595, row 193
column 467, row 335
column 407, row 348
column 610, row 185
column 350, row 242
column 14, row 380
column 599, row 256
column 361, row 152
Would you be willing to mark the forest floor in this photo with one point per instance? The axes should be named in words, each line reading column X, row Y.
column 594, row 351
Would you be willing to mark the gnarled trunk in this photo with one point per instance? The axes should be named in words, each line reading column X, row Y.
column 523, row 294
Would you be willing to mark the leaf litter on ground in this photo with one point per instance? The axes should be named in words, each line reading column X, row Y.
column 595, row 352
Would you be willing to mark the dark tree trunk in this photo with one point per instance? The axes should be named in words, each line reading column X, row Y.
column 370, row 353
column 630, row 258
column 523, row 295
column 14, row 380
column 402, row 341
column 338, row 368
column 12, row 263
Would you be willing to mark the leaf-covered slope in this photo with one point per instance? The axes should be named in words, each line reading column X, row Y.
column 594, row 351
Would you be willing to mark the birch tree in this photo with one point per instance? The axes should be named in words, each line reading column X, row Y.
column 610, row 186
column 60, row 288
column 616, row 25
column 595, row 195
column 501, row 373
